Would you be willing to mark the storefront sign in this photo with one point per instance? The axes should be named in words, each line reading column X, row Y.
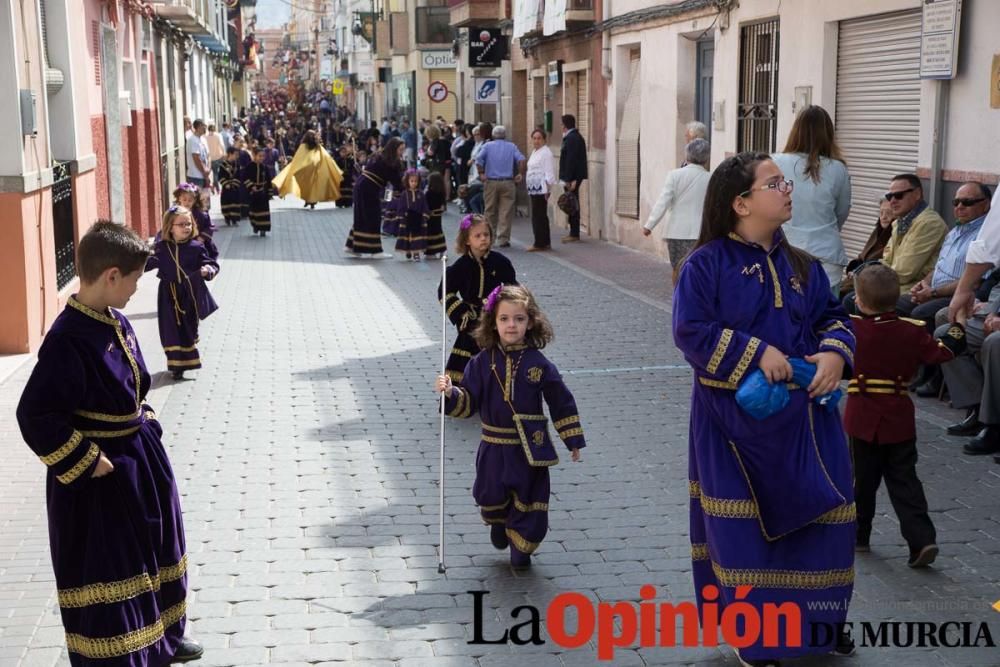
column 442, row 59
column 555, row 72
column 366, row 69
column 487, row 47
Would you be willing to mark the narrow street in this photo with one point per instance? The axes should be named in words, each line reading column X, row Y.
column 307, row 451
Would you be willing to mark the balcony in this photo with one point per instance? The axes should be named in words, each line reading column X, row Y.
column 579, row 11
column 464, row 13
column 195, row 17
column 399, row 33
column 433, row 26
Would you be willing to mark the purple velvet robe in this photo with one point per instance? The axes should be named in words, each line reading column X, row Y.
column 365, row 237
column 183, row 299
column 507, row 488
column 772, row 501
column 232, row 192
column 117, row 541
column 257, row 179
column 470, row 280
column 410, row 210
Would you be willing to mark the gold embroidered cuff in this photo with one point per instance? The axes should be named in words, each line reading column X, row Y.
column 720, row 350
column 65, row 450
column 81, row 466
column 745, row 360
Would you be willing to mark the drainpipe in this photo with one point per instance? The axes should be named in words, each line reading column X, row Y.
column 943, row 90
column 605, row 41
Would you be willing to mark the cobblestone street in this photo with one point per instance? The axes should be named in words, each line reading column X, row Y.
column 307, row 456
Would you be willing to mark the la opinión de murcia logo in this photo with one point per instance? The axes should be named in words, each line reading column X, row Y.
column 739, row 624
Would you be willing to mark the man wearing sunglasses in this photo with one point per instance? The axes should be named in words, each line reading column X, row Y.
column 934, row 291
column 917, row 234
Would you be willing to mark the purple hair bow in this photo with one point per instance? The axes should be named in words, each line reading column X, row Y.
column 466, row 222
column 491, row 301
column 189, row 187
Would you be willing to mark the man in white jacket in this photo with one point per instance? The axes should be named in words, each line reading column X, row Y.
column 683, row 195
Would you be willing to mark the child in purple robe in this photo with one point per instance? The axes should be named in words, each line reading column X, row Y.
column 436, row 243
column 232, row 187
column 184, row 265
column 411, row 215
column 477, row 272
column 116, row 533
column 505, row 385
column 188, row 195
column 257, row 178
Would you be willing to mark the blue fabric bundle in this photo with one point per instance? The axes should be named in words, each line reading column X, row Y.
column 761, row 399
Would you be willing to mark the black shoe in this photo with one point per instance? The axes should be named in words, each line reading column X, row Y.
column 519, row 560
column 996, row 459
column 924, row 557
column 498, row 536
column 987, row 442
column 188, row 650
column 844, row 646
column 178, row 375
column 746, row 662
column 930, row 388
column 968, row 426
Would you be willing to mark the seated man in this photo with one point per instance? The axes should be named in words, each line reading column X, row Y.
column 917, row 235
column 973, row 379
column 934, row 291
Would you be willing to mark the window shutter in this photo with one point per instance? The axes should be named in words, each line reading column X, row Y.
column 627, row 198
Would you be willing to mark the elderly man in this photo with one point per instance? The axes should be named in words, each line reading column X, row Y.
column 495, row 163
column 917, row 235
column 934, row 291
column 695, row 130
column 975, row 384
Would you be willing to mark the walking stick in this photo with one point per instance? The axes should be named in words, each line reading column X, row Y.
column 444, row 361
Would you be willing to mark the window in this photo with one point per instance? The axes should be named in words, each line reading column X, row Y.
column 627, row 144
column 434, row 26
column 758, row 106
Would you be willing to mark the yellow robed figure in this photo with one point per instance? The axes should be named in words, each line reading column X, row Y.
column 312, row 175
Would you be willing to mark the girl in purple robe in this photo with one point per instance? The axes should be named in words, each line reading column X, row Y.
column 436, row 243
column 116, row 532
column 188, row 195
column 184, row 265
column 505, row 385
column 772, row 505
column 410, row 211
column 232, row 187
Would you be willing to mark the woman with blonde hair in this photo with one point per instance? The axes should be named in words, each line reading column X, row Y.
column 821, row 199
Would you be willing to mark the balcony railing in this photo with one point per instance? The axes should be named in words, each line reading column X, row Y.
column 475, row 12
column 578, row 11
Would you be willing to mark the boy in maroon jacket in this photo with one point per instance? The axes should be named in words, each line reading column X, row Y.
column 880, row 418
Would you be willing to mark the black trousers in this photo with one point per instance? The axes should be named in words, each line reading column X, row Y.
column 897, row 464
column 540, row 221
column 574, row 220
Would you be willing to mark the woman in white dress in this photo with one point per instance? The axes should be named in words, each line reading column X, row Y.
column 541, row 175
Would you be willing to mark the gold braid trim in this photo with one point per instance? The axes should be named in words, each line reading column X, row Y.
column 726, row 508
column 103, row 417
column 521, row 544
column 97, row 648
column 778, row 300
column 694, row 488
column 792, row 579
column 720, row 351
column 699, row 551
column 461, row 353
column 840, row 345
column 498, row 429
column 119, row 591
column 81, row 465
column 843, row 514
column 565, row 435
column 529, row 507
column 495, row 508
column 837, row 324
column 452, row 307
column 575, row 419
column 501, row 441
column 65, row 450
column 745, row 359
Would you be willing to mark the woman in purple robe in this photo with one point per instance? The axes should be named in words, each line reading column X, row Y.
column 184, row 265
column 384, row 168
column 772, row 507
column 116, row 532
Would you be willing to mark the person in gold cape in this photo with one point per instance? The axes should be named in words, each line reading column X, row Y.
column 312, row 175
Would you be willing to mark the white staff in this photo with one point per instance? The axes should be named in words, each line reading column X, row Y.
column 444, row 361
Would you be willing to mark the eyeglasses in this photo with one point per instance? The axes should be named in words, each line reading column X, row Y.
column 782, row 186
column 889, row 196
column 966, row 202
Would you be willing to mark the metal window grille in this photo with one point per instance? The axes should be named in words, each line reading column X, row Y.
column 757, row 121
column 62, row 222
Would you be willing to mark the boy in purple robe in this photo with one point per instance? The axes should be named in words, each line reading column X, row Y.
column 257, row 177
column 116, row 533
column 232, row 187
column 505, row 385
column 772, row 501
column 184, row 265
